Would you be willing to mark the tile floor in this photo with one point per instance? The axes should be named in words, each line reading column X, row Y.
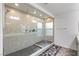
column 59, row 51
column 54, row 50
column 30, row 50
column 25, row 52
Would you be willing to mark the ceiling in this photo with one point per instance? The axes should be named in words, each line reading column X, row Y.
column 59, row 8
column 28, row 9
column 55, row 9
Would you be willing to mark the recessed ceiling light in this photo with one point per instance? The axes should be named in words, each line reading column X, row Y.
column 12, row 11
column 40, row 15
column 49, row 19
column 16, row 4
column 34, row 21
column 14, row 17
column 34, row 12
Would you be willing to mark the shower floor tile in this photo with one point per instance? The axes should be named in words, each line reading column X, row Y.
column 26, row 51
column 32, row 49
column 44, row 43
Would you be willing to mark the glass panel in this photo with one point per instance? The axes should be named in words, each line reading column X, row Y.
column 49, row 29
column 23, row 30
column 18, row 22
column 39, row 29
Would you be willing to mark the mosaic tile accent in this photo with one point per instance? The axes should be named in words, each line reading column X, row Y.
column 51, row 51
column 59, row 51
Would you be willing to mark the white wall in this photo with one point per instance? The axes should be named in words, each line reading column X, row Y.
column 1, row 29
column 66, row 28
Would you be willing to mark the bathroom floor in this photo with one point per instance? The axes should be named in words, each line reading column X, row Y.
column 66, row 52
column 55, row 50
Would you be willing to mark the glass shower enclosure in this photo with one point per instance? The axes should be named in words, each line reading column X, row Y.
column 26, row 32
